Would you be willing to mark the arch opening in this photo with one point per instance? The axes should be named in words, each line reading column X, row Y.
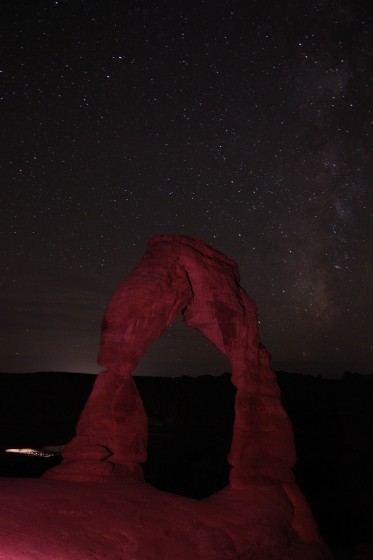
column 190, row 413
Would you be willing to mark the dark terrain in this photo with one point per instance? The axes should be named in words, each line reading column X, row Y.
column 190, row 427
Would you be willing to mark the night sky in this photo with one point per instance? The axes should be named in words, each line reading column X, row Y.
column 247, row 124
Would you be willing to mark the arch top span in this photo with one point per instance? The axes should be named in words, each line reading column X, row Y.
column 197, row 245
column 179, row 274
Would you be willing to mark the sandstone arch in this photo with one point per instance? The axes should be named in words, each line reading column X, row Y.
column 179, row 275
column 262, row 503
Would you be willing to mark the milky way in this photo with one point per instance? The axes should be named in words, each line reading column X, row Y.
column 246, row 124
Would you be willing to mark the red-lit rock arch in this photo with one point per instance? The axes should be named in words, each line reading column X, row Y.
column 184, row 275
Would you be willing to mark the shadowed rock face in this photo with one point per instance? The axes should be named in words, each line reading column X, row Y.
column 262, row 513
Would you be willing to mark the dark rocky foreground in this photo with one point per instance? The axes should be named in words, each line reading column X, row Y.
column 190, row 424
